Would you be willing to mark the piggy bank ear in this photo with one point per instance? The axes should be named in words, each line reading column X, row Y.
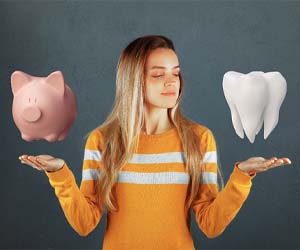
column 18, row 80
column 56, row 80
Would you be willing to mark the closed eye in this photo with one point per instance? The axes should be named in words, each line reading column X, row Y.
column 157, row 76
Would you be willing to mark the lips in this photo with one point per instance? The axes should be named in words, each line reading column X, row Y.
column 169, row 93
column 254, row 99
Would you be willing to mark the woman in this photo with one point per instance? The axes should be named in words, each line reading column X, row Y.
column 148, row 164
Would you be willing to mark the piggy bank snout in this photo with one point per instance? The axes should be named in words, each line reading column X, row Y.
column 31, row 114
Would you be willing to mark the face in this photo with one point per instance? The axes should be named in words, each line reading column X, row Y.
column 161, row 75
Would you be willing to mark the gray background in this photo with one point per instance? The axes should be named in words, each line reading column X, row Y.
column 84, row 40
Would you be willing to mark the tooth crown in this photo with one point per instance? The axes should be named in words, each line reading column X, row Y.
column 254, row 99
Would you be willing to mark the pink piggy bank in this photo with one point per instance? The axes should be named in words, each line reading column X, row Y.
column 43, row 107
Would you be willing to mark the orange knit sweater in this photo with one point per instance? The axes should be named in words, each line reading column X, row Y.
column 151, row 191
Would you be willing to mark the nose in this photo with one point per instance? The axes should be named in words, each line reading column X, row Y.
column 170, row 82
column 31, row 114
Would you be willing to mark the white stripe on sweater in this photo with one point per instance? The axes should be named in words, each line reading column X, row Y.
column 152, row 178
column 210, row 156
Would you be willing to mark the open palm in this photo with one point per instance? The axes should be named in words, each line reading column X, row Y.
column 260, row 164
column 43, row 162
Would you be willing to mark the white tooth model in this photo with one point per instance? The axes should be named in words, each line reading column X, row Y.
column 254, row 98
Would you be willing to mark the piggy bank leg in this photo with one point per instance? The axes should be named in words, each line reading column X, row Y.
column 26, row 137
column 51, row 137
column 63, row 134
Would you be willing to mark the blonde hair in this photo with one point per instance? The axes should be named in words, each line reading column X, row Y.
column 123, row 125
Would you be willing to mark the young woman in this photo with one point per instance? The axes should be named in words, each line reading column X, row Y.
column 148, row 165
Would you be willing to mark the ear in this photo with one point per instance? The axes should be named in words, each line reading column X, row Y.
column 56, row 80
column 18, row 80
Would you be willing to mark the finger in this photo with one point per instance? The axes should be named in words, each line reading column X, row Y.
column 24, row 159
column 40, row 161
column 28, row 160
column 31, row 165
column 280, row 162
column 276, row 164
column 23, row 156
column 33, row 159
column 286, row 160
column 266, row 164
column 283, row 161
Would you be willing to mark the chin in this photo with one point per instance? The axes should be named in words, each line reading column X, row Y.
column 164, row 105
column 169, row 106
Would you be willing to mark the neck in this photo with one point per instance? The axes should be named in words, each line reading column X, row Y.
column 156, row 121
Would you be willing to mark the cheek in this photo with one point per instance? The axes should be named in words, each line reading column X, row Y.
column 152, row 86
column 152, row 91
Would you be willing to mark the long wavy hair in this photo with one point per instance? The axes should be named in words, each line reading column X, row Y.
column 123, row 125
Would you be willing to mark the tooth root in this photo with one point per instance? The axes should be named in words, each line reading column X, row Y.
column 277, row 91
column 236, row 121
column 260, row 123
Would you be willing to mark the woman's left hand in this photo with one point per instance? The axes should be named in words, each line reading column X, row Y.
column 260, row 164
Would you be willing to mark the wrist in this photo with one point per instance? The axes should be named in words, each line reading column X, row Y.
column 55, row 169
column 238, row 165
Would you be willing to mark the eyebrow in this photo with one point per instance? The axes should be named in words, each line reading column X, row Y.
column 161, row 67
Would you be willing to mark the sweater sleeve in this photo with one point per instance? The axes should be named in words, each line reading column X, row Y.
column 80, row 205
column 215, row 209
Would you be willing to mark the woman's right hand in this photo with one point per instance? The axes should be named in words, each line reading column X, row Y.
column 43, row 162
